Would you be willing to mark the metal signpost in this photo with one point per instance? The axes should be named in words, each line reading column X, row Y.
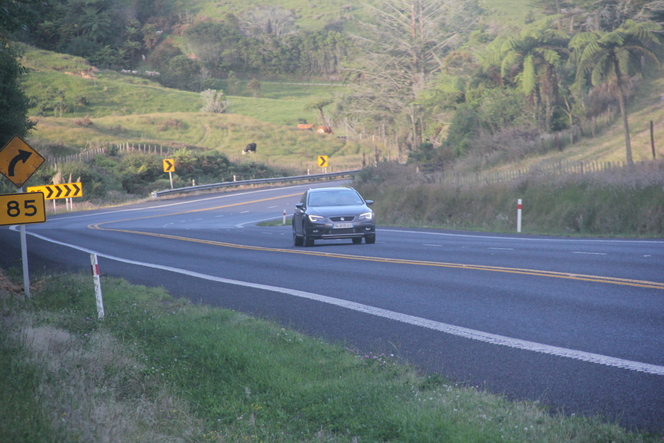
column 18, row 162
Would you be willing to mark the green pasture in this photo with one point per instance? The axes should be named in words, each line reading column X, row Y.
column 107, row 107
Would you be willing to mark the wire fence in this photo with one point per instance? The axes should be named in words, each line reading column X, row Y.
column 550, row 168
column 121, row 148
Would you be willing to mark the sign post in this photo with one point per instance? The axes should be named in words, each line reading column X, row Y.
column 18, row 162
column 22, row 209
column 169, row 166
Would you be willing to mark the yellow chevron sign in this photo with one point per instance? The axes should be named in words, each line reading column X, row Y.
column 169, row 165
column 64, row 190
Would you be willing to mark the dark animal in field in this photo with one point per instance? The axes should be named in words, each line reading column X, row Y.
column 251, row 147
column 324, row 130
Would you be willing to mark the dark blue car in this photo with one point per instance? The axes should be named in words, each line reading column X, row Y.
column 333, row 213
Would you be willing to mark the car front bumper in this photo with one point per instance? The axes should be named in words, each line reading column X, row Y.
column 326, row 231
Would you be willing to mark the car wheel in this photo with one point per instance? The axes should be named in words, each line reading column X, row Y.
column 297, row 240
column 370, row 239
column 357, row 240
column 308, row 241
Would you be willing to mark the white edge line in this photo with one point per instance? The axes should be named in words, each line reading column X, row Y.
column 555, row 239
column 404, row 318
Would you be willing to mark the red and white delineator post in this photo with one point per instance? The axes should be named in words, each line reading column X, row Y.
column 97, row 281
column 519, row 207
column 284, row 221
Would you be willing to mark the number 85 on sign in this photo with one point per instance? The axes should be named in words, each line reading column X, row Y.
column 22, row 209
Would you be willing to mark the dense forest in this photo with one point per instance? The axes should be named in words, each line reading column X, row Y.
column 438, row 79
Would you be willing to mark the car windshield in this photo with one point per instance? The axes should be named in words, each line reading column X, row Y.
column 343, row 197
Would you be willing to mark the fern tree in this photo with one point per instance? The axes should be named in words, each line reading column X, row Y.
column 610, row 57
column 531, row 57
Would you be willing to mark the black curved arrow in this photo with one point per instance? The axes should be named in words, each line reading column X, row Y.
column 21, row 156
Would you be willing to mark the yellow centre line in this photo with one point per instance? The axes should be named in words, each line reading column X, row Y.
column 533, row 272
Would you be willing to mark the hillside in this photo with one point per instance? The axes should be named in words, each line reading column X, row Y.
column 106, row 107
column 126, row 108
column 78, row 106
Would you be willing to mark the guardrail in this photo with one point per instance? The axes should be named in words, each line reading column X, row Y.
column 257, row 181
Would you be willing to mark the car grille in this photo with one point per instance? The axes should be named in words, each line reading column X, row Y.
column 341, row 231
column 343, row 218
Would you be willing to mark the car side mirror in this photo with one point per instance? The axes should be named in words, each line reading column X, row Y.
column 299, row 205
column 368, row 202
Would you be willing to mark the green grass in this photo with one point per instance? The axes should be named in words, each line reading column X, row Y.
column 111, row 93
column 160, row 369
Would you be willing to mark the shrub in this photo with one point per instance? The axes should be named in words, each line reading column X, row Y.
column 213, row 101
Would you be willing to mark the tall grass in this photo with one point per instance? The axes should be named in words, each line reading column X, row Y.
column 160, row 369
column 628, row 201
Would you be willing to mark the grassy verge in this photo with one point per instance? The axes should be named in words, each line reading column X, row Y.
column 627, row 202
column 160, row 369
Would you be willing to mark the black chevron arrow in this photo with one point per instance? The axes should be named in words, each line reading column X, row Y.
column 50, row 192
column 22, row 156
column 77, row 190
column 68, row 191
column 58, row 189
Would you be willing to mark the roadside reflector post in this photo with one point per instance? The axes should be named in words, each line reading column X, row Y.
column 170, row 176
column 97, row 281
column 519, row 207
column 284, row 222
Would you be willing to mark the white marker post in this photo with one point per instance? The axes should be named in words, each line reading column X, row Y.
column 97, row 281
column 284, row 222
column 519, row 207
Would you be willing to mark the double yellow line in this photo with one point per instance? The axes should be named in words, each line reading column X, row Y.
column 520, row 271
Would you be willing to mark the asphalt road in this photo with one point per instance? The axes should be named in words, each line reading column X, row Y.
column 577, row 324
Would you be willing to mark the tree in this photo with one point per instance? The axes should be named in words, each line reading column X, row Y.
column 610, row 57
column 531, row 56
column 403, row 48
column 267, row 20
column 254, row 87
column 13, row 101
column 319, row 105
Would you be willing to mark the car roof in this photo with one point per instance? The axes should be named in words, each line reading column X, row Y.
column 337, row 188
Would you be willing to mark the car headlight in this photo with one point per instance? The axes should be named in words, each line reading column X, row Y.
column 366, row 216
column 316, row 218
